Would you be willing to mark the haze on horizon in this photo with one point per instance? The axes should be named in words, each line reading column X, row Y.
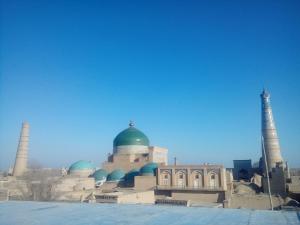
column 188, row 73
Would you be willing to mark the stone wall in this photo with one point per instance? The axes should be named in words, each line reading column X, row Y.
column 144, row 182
column 261, row 201
column 206, row 197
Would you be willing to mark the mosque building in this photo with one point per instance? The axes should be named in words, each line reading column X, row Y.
column 132, row 150
column 144, row 169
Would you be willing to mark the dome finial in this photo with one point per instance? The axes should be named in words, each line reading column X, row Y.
column 131, row 124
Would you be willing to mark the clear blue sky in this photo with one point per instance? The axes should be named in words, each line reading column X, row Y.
column 189, row 73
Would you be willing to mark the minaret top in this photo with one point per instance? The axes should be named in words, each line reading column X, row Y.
column 265, row 94
column 131, row 123
column 25, row 123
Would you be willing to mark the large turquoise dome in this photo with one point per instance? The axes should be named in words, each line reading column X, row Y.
column 81, row 165
column 131, row 136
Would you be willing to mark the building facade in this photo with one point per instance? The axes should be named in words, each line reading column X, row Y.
column 193, row 177
column 192, row 183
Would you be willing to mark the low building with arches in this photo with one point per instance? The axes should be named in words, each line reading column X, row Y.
column 200, row 183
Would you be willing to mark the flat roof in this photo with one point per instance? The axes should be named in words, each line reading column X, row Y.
column 53, row 213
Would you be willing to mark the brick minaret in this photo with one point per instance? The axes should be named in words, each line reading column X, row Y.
column 22, row 152
column 269, row 133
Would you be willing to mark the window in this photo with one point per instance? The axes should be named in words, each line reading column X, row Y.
column 181, row 179
column 197, row 181
column 165, row 180
column 213, row 180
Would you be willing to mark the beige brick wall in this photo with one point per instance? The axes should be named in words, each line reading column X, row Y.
column 125, row 162
column 144, row 182
column 146, row 197
column 209, row 197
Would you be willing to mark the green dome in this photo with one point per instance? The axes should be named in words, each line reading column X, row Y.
column 81, row 165
column 131, row 136
column 100, row 175
column 116, row 175
column 131, row 174
column 149, row 169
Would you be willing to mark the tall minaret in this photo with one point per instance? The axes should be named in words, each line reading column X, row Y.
column 22, row 152
column 269, row 133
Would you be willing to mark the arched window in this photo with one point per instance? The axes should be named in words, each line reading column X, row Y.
column 213, row 180
column 197, row 179
column 165, row 178
column 181, row 180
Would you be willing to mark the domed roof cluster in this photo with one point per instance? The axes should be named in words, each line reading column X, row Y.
column 131, row 136
column 116, row 175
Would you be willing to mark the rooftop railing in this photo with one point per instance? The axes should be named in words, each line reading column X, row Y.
column 195, row 188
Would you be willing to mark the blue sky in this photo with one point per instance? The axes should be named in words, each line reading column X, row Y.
column 189, row 73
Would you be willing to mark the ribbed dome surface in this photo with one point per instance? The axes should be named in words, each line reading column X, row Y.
column 131, row 136
column 81, row 165
column 149, row 169
column 116, row 175
column 100, row 174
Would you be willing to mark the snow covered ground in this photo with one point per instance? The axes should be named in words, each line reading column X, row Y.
column 46, row 213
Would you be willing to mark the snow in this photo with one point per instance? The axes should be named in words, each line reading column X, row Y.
column 53, row 213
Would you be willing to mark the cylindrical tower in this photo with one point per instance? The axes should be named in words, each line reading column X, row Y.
column 269, row 133
column 22, row 152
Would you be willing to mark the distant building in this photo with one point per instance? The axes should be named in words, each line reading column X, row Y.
column 137, row 165
column 242, row 169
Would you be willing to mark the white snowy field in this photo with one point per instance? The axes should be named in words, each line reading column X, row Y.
column 53, row 213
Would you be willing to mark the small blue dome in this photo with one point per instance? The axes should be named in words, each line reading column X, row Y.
column 149, row 169
column 100, row 174
column 116, row 175
column 131, row 174
column 81, row 165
